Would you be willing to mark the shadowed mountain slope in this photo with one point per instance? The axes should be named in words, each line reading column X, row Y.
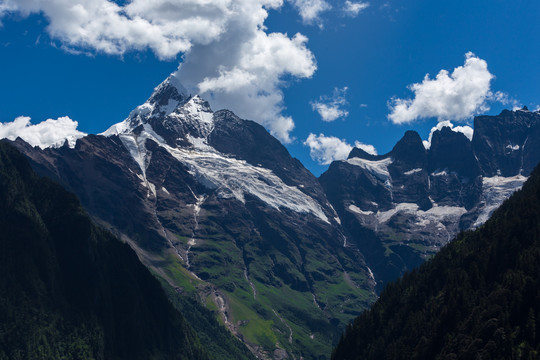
column 218, row 208
column 479, row 297
column 71, row 290
column 416, row 198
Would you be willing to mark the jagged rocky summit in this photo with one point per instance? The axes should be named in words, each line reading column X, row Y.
column 416, row 199
column 217, row 207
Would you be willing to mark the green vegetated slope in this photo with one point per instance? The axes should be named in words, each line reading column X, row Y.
column 217, row 341
column 70, row 290
column 273, row 317
column 273, row 304
column 478, row 298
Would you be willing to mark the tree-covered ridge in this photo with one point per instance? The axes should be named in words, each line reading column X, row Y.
column 69, row 289
column 478, row 298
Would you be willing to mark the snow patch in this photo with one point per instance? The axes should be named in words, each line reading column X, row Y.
column 371, row 276
column 434, row 215
column 378, row 168
column 137, row 117
column 196, row 115
column 169, row 107
column 357, row 210
column 233, row 178
column 152, row 189
column 135, row 144
column 413, row 171
column 384, row 216
column 444, row 211
column 199, row 143
column 147, row 184
column 495, row 190
column 512, row 147
column 174, row 81
column 131, row 144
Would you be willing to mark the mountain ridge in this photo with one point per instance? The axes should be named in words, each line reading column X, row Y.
column 218, row 208
column 477, row 297
column 416, row 199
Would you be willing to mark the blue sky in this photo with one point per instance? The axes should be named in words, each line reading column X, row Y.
column 362, row 62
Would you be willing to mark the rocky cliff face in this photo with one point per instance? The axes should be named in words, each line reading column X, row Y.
column 414, row 200
column 218, row 207
column 507, row 145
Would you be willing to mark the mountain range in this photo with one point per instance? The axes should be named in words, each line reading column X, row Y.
column 216, row 206
column 416, row 199
column 478, row 298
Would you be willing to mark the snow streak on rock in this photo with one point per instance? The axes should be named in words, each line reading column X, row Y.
column 233, row 178
column 495, row 190
column 196, row 211
column 378, row 168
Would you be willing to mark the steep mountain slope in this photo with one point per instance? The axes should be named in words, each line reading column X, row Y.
column 414, row 200
column 70, row 290
column 507, row 144
column 478, row 297
column 218, row 208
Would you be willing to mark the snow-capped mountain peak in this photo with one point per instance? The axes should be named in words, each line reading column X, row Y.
column 181, row 125
column 194, row 119
column 170, row 89
column 171, row 112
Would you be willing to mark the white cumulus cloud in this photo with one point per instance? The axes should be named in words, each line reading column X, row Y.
column 456, row 96
column 352, row 8
column 243, row 72
column 465, row 130
column 311, row 10
column 325, row 149
column 227, row 54
column 370, row 149
column 330, row 108
column 48, row 133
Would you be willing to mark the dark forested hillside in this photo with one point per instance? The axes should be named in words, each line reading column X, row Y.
column 478, row 298
column 70, row 290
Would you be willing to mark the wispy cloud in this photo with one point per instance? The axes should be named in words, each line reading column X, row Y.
column 331, row 108
column 352, row 8
column 456, row 96
column 311, row 10
column 325, row 149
